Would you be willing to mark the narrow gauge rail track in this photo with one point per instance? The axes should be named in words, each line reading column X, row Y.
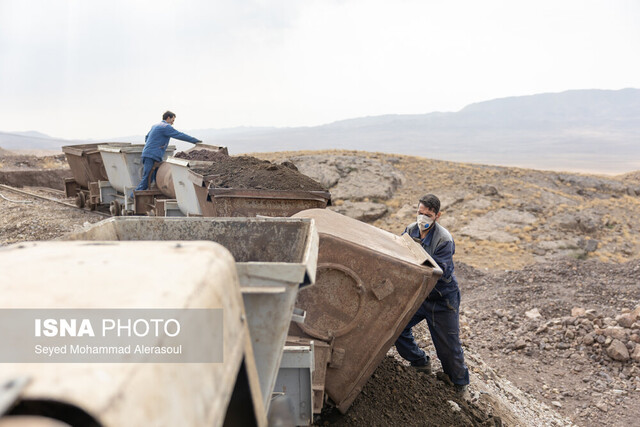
column 49, row 199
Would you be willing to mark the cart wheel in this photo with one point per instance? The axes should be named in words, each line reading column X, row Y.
column 80, row 200
column 114, row 208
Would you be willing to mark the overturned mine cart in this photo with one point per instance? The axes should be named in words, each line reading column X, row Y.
column 369, row 283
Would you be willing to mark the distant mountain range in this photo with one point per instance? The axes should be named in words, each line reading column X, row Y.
column 589, row 130
column 32, row 140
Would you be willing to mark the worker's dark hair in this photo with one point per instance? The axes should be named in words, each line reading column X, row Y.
column 431, row 202
column 167, row 115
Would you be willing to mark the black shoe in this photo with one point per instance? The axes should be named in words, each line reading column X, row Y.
column 426, row 368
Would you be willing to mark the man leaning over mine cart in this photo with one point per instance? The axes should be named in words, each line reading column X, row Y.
column 155, row 145
column 440, row 309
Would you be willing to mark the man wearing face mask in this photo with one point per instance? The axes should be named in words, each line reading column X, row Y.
column 440, row 309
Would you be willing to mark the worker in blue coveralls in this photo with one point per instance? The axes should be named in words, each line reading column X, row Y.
column 156, row 143
column 440, row 309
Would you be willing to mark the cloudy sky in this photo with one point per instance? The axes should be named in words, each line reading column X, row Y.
column 90, row 69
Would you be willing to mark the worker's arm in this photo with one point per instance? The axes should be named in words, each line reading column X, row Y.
column 173, row 133
column 444, row 257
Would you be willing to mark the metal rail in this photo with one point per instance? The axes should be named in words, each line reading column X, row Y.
column 50, row 190
column 15, row 201
column 49, row 199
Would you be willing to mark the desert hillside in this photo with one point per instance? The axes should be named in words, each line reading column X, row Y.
column 500, row 217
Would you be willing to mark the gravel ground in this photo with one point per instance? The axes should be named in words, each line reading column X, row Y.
column 566, row 331
column 24, row 218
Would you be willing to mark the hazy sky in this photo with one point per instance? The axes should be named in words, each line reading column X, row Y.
column 94, row 69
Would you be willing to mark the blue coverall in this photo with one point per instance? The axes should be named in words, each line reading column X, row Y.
column 156, row 143
column 440, row 310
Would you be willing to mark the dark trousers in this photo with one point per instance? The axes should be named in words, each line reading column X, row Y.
column 441, row 314
column 147, row 164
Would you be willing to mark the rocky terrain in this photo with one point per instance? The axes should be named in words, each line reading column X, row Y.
column 24, row 218
column 549, row 269
column 565, row 331
column 504, row 218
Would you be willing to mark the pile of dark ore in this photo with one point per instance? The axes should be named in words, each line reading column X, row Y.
column 204, row 155
column 246, row 172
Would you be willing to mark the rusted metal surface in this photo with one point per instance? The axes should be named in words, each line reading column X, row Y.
column 71, row 187
column 201, row 186
column 145, row 201
column 369, row 283
column 204, row 201
column 164, row 180
column 86, row 163
column 160, row 208
column 228, row 202
column 94, row 195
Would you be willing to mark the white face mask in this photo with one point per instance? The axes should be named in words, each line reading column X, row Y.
column 423, row 221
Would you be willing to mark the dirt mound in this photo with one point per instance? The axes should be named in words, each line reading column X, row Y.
column 246, row 172
column 51, row 178
column 397, row 395
column 11, row 160
column 203, row 155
